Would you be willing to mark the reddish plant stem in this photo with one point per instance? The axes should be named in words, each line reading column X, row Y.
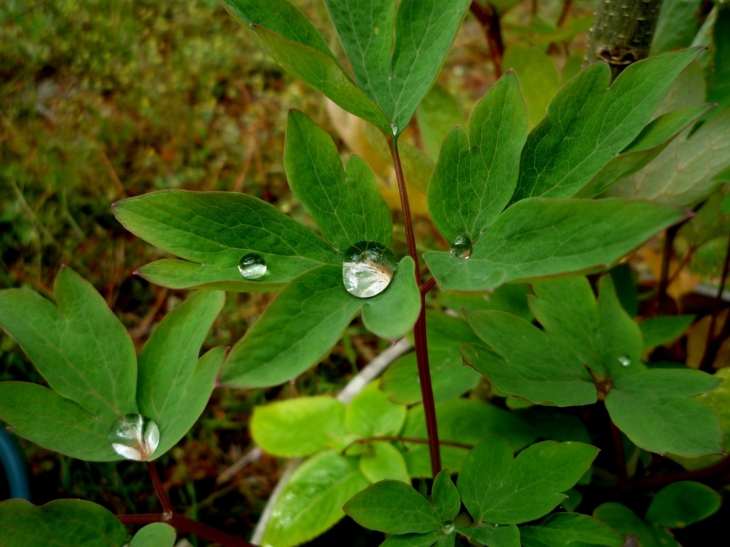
column 667, row 253
column 419, row 331
column 620, row 456
column 414, row 440
column 160, row 489
column 427, row 286
column 705, row 474
column 489, row 20
column 567, row 4
column 184, row 524
column 714, row 343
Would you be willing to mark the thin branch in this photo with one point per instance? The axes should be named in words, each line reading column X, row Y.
column 421, row 343
column 714, row 343
column 428, row 285
column 414, row 440
column 567, row 4
column 667, row 253
column 160, row 489
column 489, row 20
column 706, row 474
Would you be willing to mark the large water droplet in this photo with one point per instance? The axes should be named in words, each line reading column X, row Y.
column 394, row 128
column 448, row 527
column 252, row 266
column 368, row 269
column 135, row 437
column 461, row 246
column 625, row 360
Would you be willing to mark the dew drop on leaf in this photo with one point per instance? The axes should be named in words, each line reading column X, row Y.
column 496, row 525
column 252, row 266
column 368, row 269
column 461, row 246
column 448, row 527
column 394, row 128
column 625, row 360
column 135, row 437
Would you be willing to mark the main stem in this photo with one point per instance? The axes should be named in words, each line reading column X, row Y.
column 421, row 342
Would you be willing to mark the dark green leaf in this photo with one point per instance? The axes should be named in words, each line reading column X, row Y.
column 60, row 523
column 718, row 89
column 497, row 489
column 217, row 229
column 412, row 540
column 371, row 414
column 297, row 330
column 447, row 541
column 683, row 503
column 623, row 281
column 538, row 237
column 653, row 408
column 311, row 501
column 677, row 25
column 437, row 114
column 382, row 461
column 588, row 123
column 493, row 535
column 446, row 497
column 657, row 331
column 622, row 519
column 710, row 222
column 298, row 427
column 348, row 208
column 570, row 529
column 157, row 534
column 476, row 175
column 394, row 508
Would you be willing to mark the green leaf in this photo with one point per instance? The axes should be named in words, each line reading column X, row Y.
column 493, row 535
column 170, row 376
column 710, row 222
column 654, row 410
column 447, row 541
column 464, row 421
column 311, row 501
column 396, row 59
column 445, row 496
column 570, row 529
column 622, row 519
column 537, row 238
column 437, row 114
column 298, row 427
column 449, row 377
column 476, row 175
column 217, row 229
column 719, row 401
column 538, row 76
column 60, row 523
column 296, row 331
column 382, row 461
column 658, row 331
column 497, row 489
column 394, row 508
column 528, row 363
column 588, row 123
column 348, row 208
column 718, row 78
column 45, row 418
column 683, row 503
column 392, row 313
column 371, row 414
column 157, row 534
column 677, row 25
column 412, row 540
column 654, row 138
column 80, row 348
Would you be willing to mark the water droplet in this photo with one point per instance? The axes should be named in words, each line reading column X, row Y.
column 461, row 246
column 496, row 525
column 625, row 360
column 252, row 266
column 135, row 437
column 394, row 128
column 448, row 527
column 368, row 269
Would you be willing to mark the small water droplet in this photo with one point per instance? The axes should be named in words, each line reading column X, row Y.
column 135, row 437
column 368, row 269
column 461, row 246
column 252, row 266
column 394, row 128
column 448, row 527
column 625, row 360
column 496, row 525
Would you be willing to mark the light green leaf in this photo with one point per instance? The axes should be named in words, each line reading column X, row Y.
column 396, row 59
column 493, row 535
column 298, row 427
column 297, row 330
column 622, row 519
column 476, row 175
column 658, row 331
column 537, row 238
column 683, row 503
column 497, row 489
column 719, row 401
column 464, row 421
column 449, row 377
column 45, row 418
column 538, row 76
column 412, row 540
column 437, row 114
column 371, row 414
column 588, row 123
column 80, row 348
column 157, row 534
column 312, row 500
column 394, row 508
column 445, row 496
column 677, row 25
column 392, row 313
column 654, row 410
column 511, row 297
column 564, row 529
column 217, row 229
column 348, row 208
column 169, row 362
column 60, row 523
column 382, row 461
